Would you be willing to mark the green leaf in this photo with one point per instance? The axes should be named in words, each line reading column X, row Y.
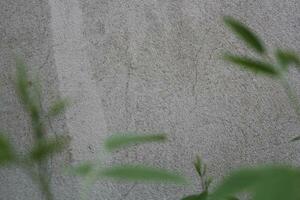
column 29, row 97
column 295, row 139
column 82, row 169
column 244, row 33
column 202, row 196
column 120, row 141
column 236, row 182
column 58, row 107
column 267, row 183
column 7, row 154
column 22, row 82
column 251, row 64
column 286, row 58
column 140, row 173
column 47, row 147
column 198, row 165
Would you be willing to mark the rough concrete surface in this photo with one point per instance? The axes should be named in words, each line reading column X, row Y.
column 148, row 66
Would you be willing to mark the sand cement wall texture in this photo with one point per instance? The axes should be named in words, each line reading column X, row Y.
column 147, row 66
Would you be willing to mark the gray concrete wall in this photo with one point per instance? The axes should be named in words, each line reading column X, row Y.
column 149, row 66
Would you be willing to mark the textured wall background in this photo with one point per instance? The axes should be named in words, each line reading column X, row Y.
column 149, row 66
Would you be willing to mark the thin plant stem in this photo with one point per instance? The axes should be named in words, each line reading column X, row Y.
column 45, row 187
column 291, row 95
column 39, row 178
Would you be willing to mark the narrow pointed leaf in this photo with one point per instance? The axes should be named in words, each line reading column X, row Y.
column 120, row 141
column 295, row 139
column 47, row 147
column 140, row 173
column 256, row 66
column 286, row 58
column 7, row 154
column 22, row 82
column 198, row 165
column 29, row 97
column 245, row 33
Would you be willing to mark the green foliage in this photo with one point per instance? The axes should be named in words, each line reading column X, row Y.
column 120, row 141
column 245, row 33
column 266, row 183
column 286, row 57
column 140, row 173
column 47, row 147
column 7, row 154
column 22, row 83
column 58, row 107
column 91, row 171
column 275, row 68
column 201, row 169
column 202, row 196
column 252, row 64
column 272, row 182
column 295, row 139
column 262, row 183
column 265, row 65
column 43, row 147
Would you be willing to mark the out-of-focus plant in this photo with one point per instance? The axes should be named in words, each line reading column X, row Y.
column 274, row 64
column 270, row 182
column 34, row 162
column 201, row 169
column 94, row 171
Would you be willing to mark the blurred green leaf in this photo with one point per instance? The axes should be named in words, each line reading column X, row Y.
column 140, row 173
column 295, row 139
column 198, row 165
column 251, row 64
column 7, row 154
column 47, row 147
column 29, row 97
column 22, row 82
column 120, row 141
column 267, row 183
column 286, row 58
column 202, row 196
column 58, row 107
column 244, row 32
column 82, row 169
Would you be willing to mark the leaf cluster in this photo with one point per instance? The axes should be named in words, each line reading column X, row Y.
column 92, row 171
column 201, row 169
column 269, row 182
column 43, row 147
column 264, row 64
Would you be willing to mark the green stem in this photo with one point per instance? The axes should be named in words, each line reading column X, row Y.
column 291, row 95
column 45, row 187
column 37, row 177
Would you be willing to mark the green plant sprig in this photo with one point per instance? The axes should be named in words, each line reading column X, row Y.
column 269, row 182
column 275, row 66
column 34, row 163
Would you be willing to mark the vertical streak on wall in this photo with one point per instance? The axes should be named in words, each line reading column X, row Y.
column 85, row 118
